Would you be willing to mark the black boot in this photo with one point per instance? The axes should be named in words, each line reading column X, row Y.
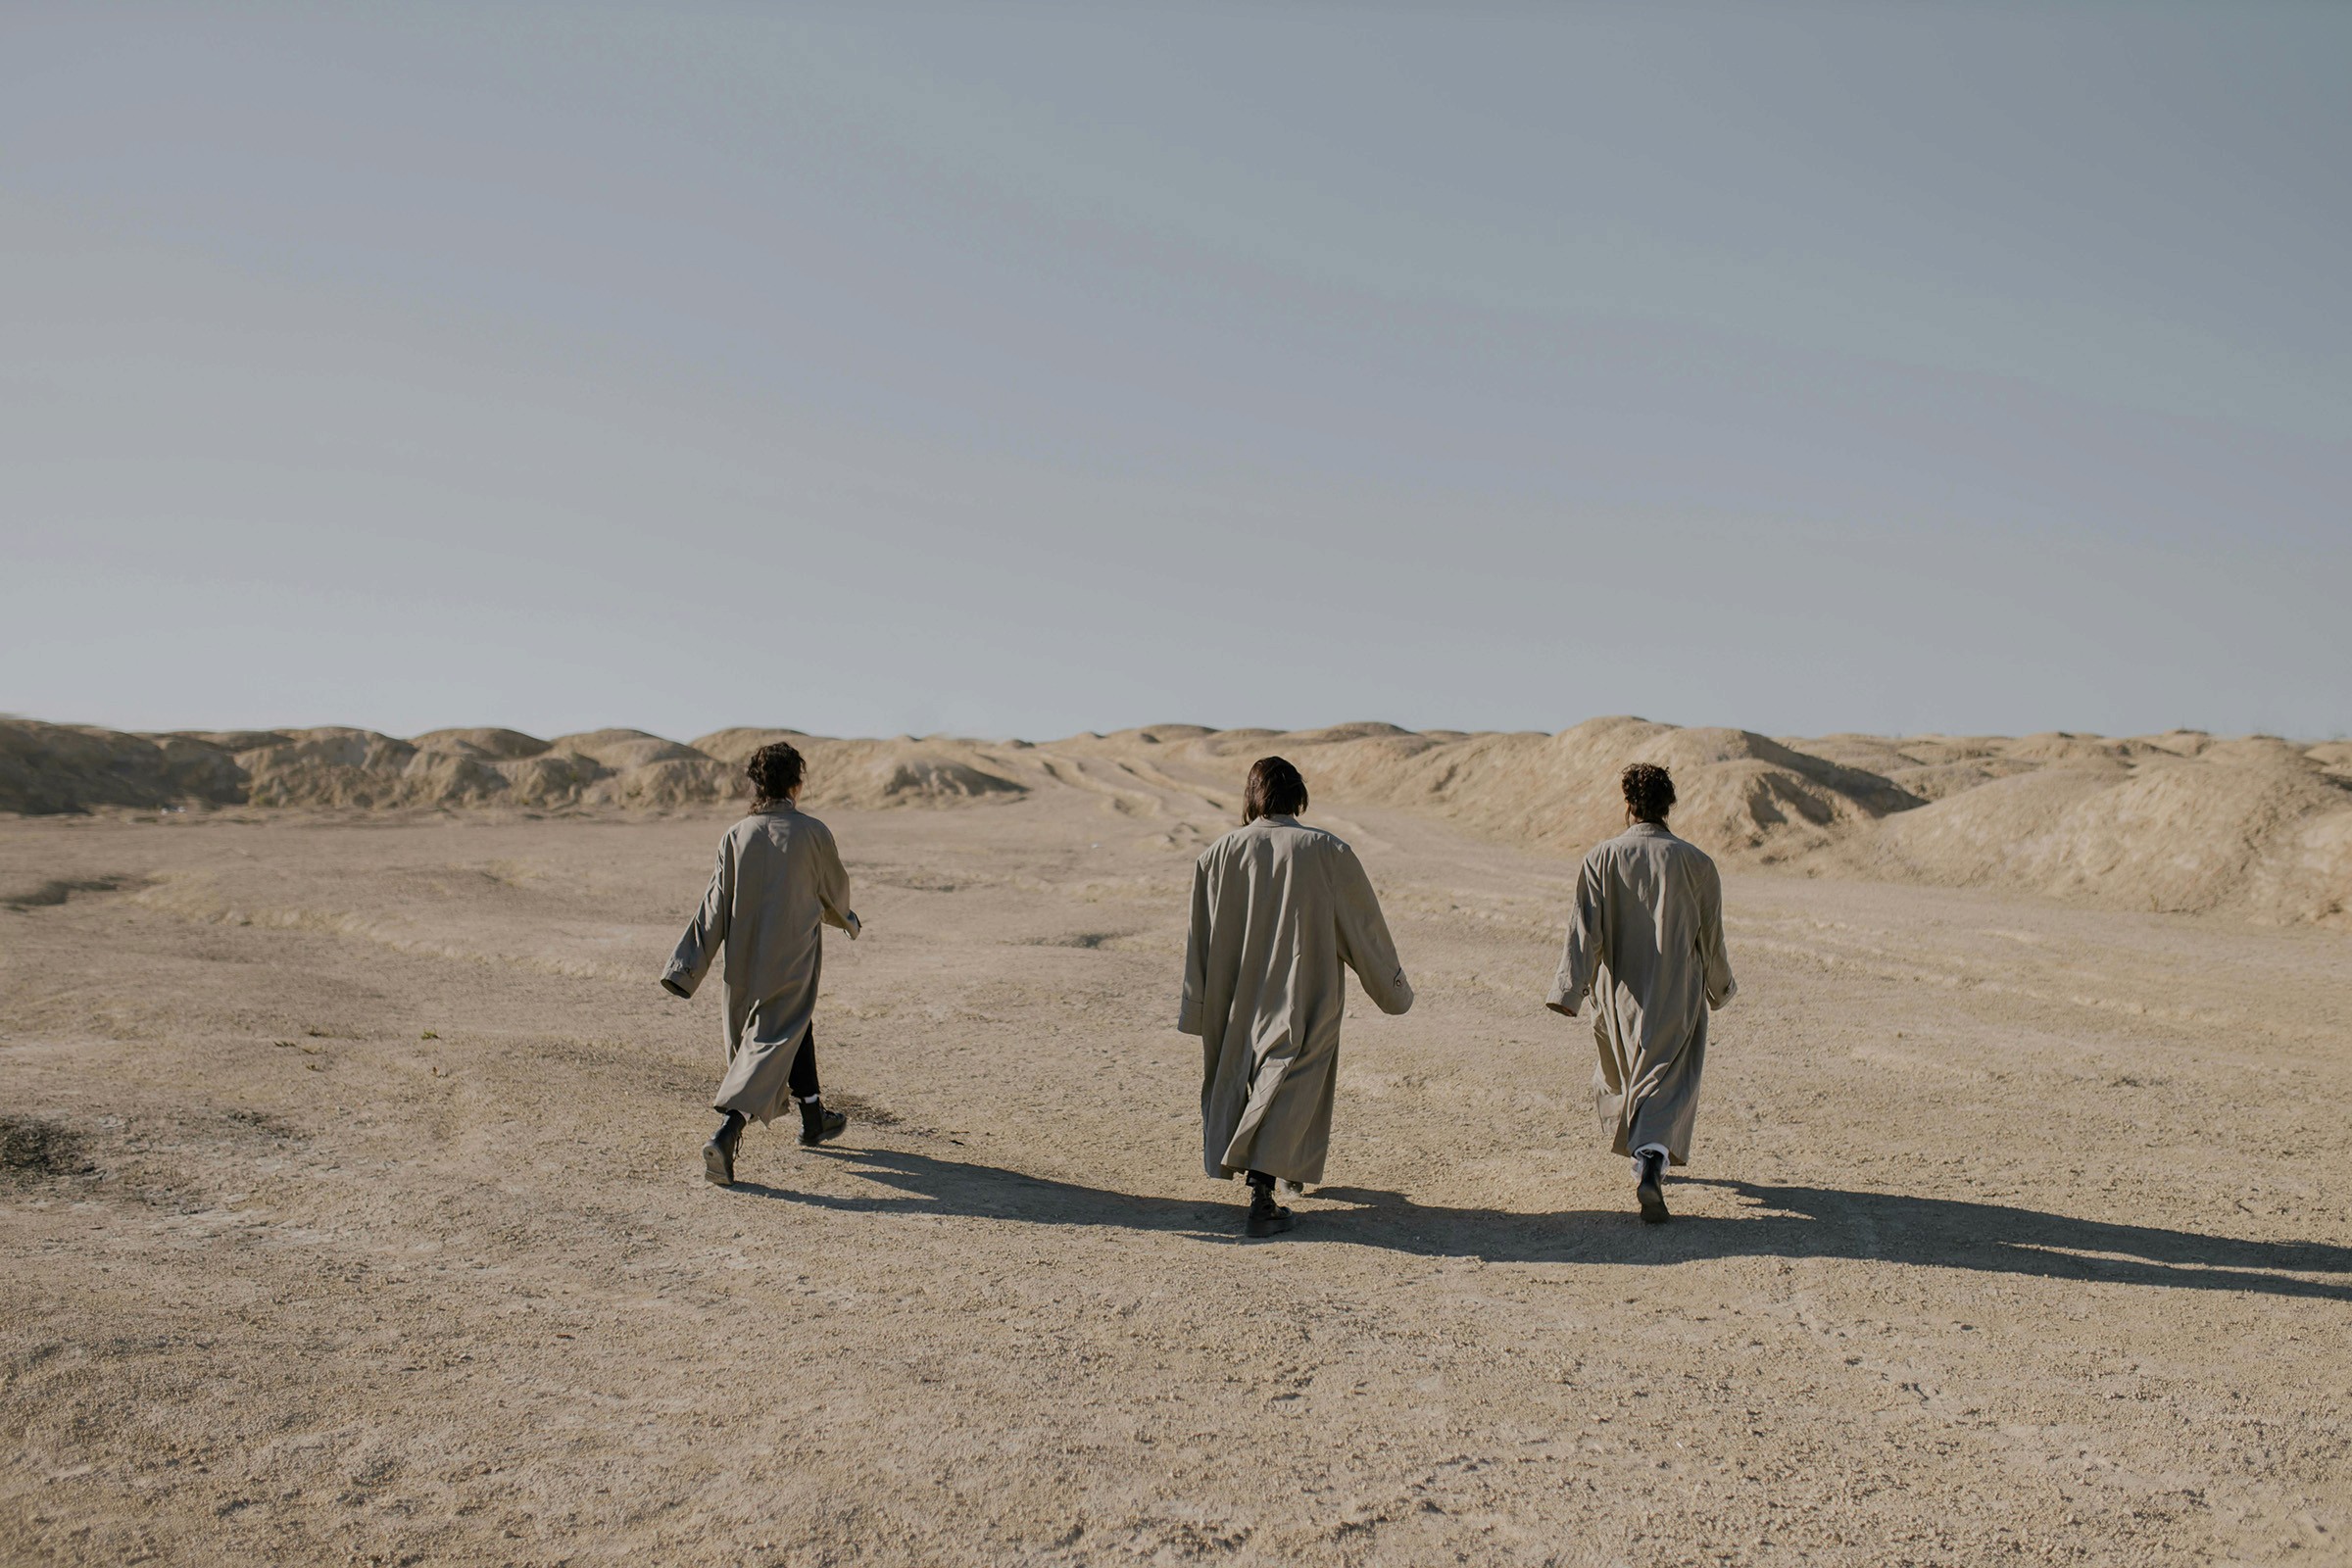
column 1266, row 1217
column 718, row 1154
column 1650, row 1188
column 819, row 1125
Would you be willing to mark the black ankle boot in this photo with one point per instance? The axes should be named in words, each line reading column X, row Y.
column 1650, row 1190
column 718, row 1154
column 1266, row 1217
column 819, row 1125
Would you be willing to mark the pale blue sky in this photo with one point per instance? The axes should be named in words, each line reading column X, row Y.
column 1022, row 370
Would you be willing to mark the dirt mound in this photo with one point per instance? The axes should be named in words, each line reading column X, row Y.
column 1928, row 766
column 735, row 746
column 360, row 768
column 1742, row 795
column 619, row 749
column 2255, row 827
column 229, row 740
column 487, row 745
column 47, row 768
column 665, row 783
column 2250, row 832
column 870, row 775
column 924, row 775
column 550, row 779
column 70, row 767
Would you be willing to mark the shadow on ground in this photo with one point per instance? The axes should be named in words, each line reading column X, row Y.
column 1774, row 1222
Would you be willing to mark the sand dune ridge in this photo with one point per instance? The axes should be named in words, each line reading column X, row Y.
column 2255, row 827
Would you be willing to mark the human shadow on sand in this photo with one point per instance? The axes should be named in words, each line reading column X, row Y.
column 1774, row 1221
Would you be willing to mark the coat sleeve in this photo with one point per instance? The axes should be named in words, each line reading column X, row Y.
column 706, row 932
column 1364, row 942
column 1721, row 987
column 1195, row 956
column 833, row 887
column 1581, row 955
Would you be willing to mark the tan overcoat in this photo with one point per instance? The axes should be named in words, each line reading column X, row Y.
column 778, row 880
column 1277, row 909
column 1645, row 939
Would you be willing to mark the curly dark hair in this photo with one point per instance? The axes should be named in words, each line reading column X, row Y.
column 775, row 771
column 1649, row 791
column 1275, row 788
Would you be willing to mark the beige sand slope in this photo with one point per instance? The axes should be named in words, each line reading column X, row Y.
column 2259, row 828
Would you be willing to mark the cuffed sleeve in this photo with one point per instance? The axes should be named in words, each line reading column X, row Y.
column 1195, row 956
column 706, row 933
column 1581, row 954
column 833, row 888
column 1712, row 954
column 1365, row 945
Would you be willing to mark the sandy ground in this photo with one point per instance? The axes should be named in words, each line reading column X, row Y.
column 356, row 1216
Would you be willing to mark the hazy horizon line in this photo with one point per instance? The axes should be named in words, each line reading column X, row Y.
column 553, row 735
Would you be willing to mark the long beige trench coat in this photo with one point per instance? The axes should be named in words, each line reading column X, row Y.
column 1277, row 909
column 1646, row 941
column 778, row 879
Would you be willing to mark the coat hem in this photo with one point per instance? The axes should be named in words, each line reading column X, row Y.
column 1291, row 1186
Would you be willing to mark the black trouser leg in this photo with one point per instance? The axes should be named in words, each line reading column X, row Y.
column 803, row 1079
column 818, row 1124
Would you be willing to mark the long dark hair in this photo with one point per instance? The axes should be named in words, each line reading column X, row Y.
column 1275, row 790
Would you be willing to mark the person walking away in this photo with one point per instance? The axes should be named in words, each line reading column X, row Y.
column 778, row 881
column 1645, row 940
column 1278, row 907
